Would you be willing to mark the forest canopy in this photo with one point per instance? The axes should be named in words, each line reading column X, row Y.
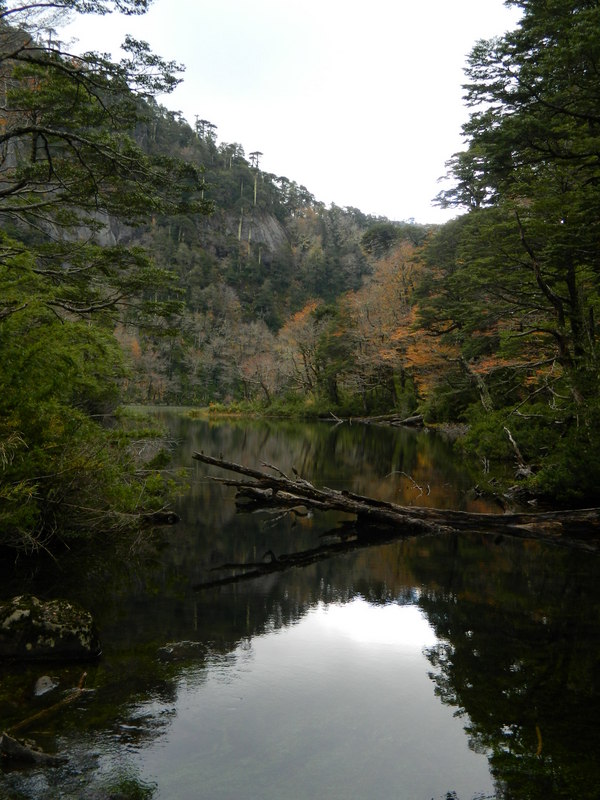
column 519, row 274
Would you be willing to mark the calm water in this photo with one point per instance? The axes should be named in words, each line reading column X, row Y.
column 422, row 668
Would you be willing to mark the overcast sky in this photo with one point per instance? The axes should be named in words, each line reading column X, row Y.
column 361, row 102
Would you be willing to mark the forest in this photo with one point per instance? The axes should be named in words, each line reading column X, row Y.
column 143, row 261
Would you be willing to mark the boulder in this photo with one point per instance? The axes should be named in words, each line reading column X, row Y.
column 33, row 629
column 43, row 685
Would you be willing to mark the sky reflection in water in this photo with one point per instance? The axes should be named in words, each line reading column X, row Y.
column 338, row 705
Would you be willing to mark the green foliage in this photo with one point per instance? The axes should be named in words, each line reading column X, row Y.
column 63, row 471
column 488, row 439
column 382, row 236
column 70, row 170
column 514, row 285
column 560, row 446
column 570, row 468
column 451, row 399
column 290, row 404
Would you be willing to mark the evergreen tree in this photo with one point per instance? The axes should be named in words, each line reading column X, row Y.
column 70, row 173
column 530, row 176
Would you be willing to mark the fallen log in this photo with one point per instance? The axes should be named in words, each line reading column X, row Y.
column 395, row 420
column 25, row 753
column 72, row 695
column 579, row 527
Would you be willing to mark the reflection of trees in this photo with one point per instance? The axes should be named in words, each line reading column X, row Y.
column 517, row 622
column 518, row 648
column 364, row 459
column 519, row 655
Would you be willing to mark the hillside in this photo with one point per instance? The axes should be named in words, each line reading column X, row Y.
column 267, row 249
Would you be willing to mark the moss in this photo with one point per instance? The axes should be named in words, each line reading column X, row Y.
column 34, row 629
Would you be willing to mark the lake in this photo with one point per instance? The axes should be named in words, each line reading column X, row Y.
column 430, row 668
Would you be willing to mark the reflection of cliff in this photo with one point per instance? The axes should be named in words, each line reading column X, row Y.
column 519, row 655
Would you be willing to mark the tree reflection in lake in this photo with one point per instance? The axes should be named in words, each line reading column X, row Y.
column 305, row 683
column 519, row 656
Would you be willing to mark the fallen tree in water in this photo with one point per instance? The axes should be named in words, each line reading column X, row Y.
column 275, row 489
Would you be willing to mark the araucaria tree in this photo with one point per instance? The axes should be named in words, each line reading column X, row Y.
column 524, row 271
column 71, row 174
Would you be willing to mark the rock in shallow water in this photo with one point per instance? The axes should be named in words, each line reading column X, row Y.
column 43, row 685
column 34, row 629
column 181, row 651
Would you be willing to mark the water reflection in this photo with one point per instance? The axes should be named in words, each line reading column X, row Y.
column 403, row 626
column 337, row 705
column 341, row 679
column 519, row 658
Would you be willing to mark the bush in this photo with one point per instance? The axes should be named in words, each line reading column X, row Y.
column 570, row 471
column 536, row 432
column 63, row 471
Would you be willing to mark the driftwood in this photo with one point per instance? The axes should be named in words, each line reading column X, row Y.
column 395, row 420
column 27, row 753
column 580, row 527
column 24, row 753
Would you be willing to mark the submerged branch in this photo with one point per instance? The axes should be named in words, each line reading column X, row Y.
column 21, row 753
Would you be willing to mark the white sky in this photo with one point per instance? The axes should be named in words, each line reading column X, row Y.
column 361, row 102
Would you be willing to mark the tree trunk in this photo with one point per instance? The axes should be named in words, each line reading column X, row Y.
column 579, row 528
column 14, row 750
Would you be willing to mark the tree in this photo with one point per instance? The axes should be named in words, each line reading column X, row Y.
column 534, row 141
column 530, row 176
column 69, row 165
column 380, row 327
column 70, row 174
column 298, row 344
column 254, row 159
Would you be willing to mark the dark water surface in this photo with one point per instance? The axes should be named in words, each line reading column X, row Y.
column 439, row 667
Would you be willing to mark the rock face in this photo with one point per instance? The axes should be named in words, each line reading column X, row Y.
column 260, row 227
column 32, row 629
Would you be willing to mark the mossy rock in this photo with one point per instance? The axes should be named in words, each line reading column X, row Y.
column 39, row 630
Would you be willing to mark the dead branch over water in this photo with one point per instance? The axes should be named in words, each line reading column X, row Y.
column 378, row 520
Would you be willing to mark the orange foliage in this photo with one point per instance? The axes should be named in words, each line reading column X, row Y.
column 383, row 306
column 297, row 345
column 301, row 317
column 425, row 355
column 136, row 350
